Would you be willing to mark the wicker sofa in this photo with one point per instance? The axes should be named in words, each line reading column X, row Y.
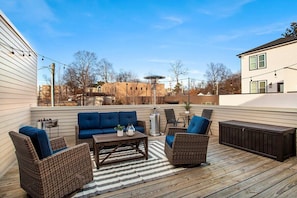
column 188, row 146
column 48, row 168
column 93, row 123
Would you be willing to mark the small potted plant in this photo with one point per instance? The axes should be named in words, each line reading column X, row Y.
column 187, row 107
column 120, row 130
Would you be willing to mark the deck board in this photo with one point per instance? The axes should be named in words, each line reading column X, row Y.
column 231, row 173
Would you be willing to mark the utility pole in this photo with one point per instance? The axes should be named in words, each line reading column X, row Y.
column 189, row 91
column 53, row 85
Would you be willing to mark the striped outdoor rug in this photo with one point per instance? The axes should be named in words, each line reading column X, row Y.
column 111, row 177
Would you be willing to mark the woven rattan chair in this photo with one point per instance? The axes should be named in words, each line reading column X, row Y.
column 171, row 119
column 207, row 114
column 58, row 175
column 186, row 148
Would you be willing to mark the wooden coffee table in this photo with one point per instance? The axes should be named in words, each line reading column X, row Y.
column 114, row 142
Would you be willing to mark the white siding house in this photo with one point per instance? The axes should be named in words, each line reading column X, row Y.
column 270, row 68
column 18, row 87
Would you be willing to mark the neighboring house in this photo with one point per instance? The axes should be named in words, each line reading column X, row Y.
column 270, row 68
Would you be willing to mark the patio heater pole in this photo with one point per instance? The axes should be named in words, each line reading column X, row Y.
column 155, row 115
column 154, row 82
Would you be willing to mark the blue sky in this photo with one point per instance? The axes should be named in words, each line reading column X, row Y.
column 145, row 36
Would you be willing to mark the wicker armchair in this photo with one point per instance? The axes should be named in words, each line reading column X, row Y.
column 184, row 148
column 60, row 174
column 171, row 119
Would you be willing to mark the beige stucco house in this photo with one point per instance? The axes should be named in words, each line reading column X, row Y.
column 270, row 68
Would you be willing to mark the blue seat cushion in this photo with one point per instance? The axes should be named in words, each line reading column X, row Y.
column 169, row 140
column 139, row 128
column 109, row 120
column 87, row 133
column 39, row 139
column 128, row 117
column 58, row 150
column 108, row 130
column 198, row 125
column 88, row 120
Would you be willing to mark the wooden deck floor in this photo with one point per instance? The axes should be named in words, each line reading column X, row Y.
column 231, row 173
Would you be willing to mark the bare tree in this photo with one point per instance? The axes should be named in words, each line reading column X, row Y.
column 125, row 76
column 105, row 70
column 70, row 77
column 178, row 69
column 292, row 31
column 81, row 71
column 217, row 73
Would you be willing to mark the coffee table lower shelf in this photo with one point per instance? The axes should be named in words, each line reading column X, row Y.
column 114, row 142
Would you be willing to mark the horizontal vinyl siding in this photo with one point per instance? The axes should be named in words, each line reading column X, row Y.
column 68, row 115
column 18, row 88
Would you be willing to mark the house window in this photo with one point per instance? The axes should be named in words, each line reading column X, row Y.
column 261, row 60
column 262, row 86
column 253, row 62
column 257, row 62
column 280, row 87
column 258, row 86
column 254, row 85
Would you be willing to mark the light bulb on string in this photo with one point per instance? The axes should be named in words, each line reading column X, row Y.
column 275, row 75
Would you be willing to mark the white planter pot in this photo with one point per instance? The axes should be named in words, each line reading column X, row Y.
column 120, row 132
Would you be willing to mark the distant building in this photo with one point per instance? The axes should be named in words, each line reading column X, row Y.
column 61, row 94
column 109, row 93
column 132, row 92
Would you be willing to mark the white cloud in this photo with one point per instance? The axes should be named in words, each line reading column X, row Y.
column 223, row 8
column 174, row 20
column 270, row 28
column 168, row 22
column 33, row 10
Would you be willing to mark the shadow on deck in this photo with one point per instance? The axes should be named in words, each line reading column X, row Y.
column 231, row 173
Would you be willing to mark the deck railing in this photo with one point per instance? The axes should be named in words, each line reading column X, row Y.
column 67, row 116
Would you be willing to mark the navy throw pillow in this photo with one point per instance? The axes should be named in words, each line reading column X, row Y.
column 39, row 139
column 198, row 125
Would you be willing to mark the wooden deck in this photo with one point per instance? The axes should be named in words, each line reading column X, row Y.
column 231, row 173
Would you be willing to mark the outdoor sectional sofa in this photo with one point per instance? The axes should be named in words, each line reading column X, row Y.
column 93, row 123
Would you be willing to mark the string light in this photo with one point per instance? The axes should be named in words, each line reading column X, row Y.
column 23, row 53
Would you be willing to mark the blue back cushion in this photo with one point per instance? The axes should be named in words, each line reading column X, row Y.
column 170, row 140
column 198, row 125
column 128, row 117
column 109, row 120
column 39, row 139
column 88, row 120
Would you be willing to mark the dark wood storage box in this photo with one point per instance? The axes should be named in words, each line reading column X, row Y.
column 276, row 142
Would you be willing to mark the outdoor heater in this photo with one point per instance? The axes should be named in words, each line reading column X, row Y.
column 155, row 115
